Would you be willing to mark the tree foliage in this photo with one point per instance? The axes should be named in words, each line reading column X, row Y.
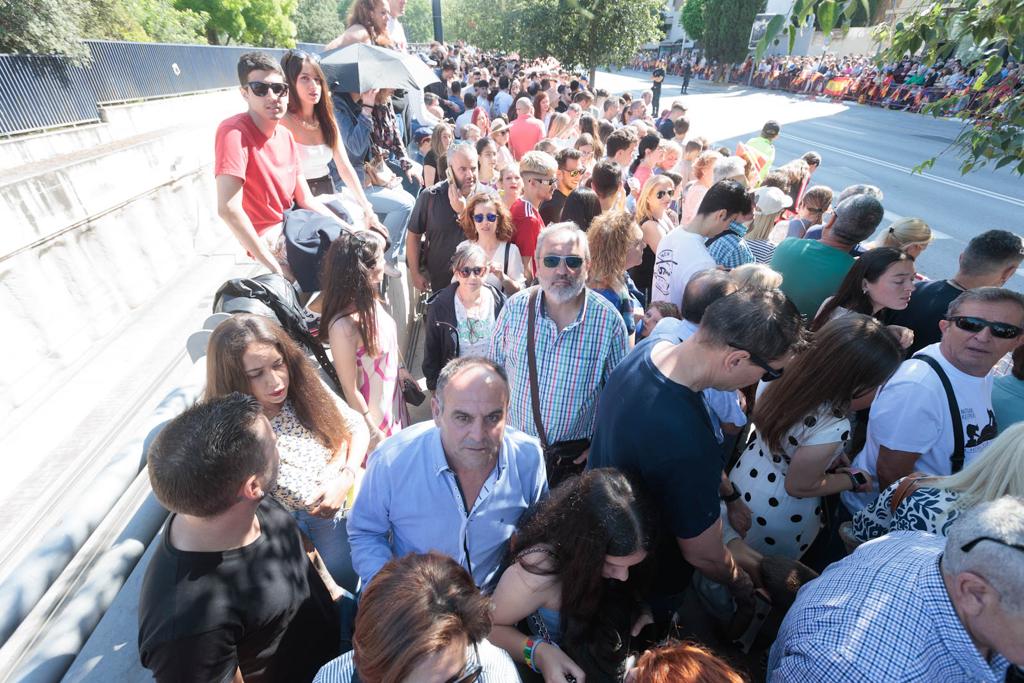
column 248, row 22
column 317, row 21
column 43, row 27
column 983, row 34
column 693, row 19
column 727, row 28
column 418, row 21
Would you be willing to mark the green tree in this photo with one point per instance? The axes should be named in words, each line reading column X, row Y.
column 693, row 18
column 418, row 21
column 727, row 28
column 317, row 21
column 142, row 20
column 983, row 34
column 43, row 27
column 249, row 22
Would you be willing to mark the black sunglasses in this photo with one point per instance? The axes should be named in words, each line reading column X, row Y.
column 969, row 323
column 475, row 270
column 546, row 181
column 663, row 193
column 969, row 546
column 260, row 89
column 571, row 262
column 480, row 217
column 473, row 670
column 770, row 373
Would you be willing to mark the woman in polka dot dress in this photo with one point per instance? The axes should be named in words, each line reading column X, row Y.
column 795, row 454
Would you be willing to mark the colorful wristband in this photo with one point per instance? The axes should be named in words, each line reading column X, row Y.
column 531, row 645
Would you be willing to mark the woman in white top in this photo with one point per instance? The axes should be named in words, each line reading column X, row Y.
column 655, row 221
column 310, row 119
column 488, row 223
column 487, row 151
column 561, row 131
column 321, row 440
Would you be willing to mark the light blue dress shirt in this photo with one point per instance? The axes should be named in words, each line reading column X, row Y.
column 410, row 502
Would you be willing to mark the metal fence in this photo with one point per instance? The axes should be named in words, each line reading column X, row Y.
column 45, row 91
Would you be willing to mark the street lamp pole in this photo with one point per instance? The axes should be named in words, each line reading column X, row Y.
column 438, row 27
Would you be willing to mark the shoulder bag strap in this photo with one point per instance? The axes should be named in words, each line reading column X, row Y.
column 957, row 458
column 711, row 240
column 504, row 268
column 906, row 487
column 531, row 355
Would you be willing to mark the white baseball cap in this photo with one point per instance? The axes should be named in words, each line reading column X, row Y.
column 771, row 200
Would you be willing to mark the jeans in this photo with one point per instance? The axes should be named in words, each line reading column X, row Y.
column 394, row 207
column 330, row 538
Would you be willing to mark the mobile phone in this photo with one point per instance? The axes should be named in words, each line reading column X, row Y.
column 860, row 478
column 451, row 177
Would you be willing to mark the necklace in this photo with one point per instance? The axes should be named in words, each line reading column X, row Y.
column 306, row 124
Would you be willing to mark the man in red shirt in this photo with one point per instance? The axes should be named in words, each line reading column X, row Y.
column 526, row 131
column 538, row 170
column 257, row 165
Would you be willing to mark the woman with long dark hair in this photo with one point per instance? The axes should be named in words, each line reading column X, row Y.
column 564, row 558
column 363, row 336
column 310, row 119
column 648, row 154
column 321, row 440
column 800, row 428
column 881, row 280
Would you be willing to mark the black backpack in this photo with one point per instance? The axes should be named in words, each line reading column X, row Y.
column 273, row 296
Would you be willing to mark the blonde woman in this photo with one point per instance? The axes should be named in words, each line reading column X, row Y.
column 932, row 504
column 435, row 163
column 771, row 204
column 655, row 222
column 910, row 235
column 615, row 242
column 703, row 178
column 561, row 131
column 756, row 276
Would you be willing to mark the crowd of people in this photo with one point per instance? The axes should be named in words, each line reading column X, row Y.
column 907, row 84
column 673, row 389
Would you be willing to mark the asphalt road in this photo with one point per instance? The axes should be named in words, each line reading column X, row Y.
column 862, row 144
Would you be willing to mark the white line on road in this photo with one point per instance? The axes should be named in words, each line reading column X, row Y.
column 905, row 169
column 848, row 131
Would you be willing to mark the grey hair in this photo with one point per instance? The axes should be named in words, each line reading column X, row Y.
column 466, row 251
column 856, row 218
column 566, row 226
column 457, row 365
column 468, row 149
column 986, row 295
column 1002, row 567
column 524, row 103
column 730, row 167
column 854, row 190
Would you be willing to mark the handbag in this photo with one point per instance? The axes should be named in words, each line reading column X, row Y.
column 559, row 456
column 412, row 394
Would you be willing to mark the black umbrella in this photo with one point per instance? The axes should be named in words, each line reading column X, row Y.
column 360, row 67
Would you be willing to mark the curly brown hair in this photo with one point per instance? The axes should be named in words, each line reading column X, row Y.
column 361, row 12
column 503, row 229
column 610, row 237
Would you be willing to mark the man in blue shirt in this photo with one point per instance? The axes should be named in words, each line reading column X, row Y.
column 457, row 486
column 911, row 606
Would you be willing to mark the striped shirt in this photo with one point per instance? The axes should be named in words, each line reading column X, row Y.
column 882, row 614
column 498, row 667
column 572, row 365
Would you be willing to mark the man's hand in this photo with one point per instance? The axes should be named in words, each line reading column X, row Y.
column 456, row 199
column 418, row 281
column 739, row 516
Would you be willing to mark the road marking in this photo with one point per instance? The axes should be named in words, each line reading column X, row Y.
column 839, row 128
column 909, row 171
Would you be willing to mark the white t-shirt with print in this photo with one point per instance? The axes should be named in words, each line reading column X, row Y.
column 911, row 413
column 680, row 256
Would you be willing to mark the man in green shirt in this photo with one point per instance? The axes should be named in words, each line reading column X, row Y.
column 813, row 269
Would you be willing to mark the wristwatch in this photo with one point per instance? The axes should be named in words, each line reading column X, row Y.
column 732, row 496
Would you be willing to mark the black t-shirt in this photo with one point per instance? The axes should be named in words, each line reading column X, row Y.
column 927, row 307
column 661, row 432
column 667, row 128
column 261, row 608
column 433, row 216
column 551, row 210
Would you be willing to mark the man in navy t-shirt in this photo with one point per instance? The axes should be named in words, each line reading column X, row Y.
column 659, row 430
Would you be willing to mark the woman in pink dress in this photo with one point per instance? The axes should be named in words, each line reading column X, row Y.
column 363, row 336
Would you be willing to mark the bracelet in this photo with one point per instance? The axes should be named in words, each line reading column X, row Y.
column 531, row 645
column 853, row 481
column 732, row 496
column 346, row 468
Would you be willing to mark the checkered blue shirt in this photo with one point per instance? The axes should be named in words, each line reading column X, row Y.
column 573, row 365
column 882, row 614
column 731, row 250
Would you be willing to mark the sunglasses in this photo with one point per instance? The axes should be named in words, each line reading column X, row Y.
column 969, row 323
column 473, row 672
column 571, row 262
column 546, row 181
column 969, row 546
column 770, row 373
column 260, row 89
column 575, row 173
column 475, row 270
column 661, row 194
column 481, row 217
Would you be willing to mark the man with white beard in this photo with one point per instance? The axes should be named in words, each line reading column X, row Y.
column 576, row 337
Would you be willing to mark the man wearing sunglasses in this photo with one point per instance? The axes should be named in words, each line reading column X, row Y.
column 656, row 426
column 568, row 176
column 256, row 163
column 914, row 607
column 539, row 171
column 912, row 425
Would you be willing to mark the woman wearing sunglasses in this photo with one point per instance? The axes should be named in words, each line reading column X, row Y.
column 488, row 223
column 795, row 454
column 421, row 620
column 460, row 317
column 655, row 219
